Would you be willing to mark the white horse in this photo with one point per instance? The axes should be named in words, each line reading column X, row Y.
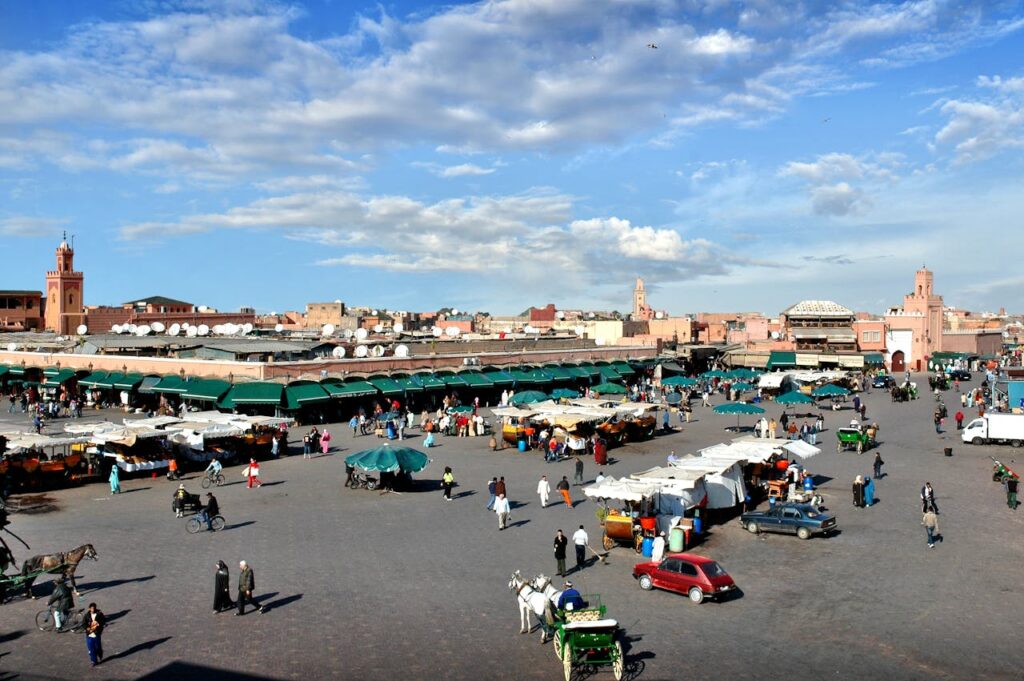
column 543, row 584
column 529, row 600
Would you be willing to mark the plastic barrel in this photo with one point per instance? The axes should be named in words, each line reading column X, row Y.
column 648, row 547
column 677, row 540
column 698, row 524
column 522, row 445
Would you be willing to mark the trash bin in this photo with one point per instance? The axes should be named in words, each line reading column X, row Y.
column 697, row 524
column 522, row 445
column 601, row 453
column 648, row 547
column 677, row 539
column 948, row 451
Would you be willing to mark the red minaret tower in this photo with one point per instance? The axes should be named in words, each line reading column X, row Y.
column 64, row 290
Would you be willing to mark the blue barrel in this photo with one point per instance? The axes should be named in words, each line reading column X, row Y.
column 648, row 547
column 697, row 524
column 522, row 445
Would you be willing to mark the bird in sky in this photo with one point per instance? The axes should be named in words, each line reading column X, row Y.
column 652, row 46
column 827, row 120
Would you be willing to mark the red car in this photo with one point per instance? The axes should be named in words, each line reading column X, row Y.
column 696, row 576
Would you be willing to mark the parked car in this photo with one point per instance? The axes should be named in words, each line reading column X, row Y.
column 803, row 520
column 960, row 375
column 883, row 381
column 696, row 576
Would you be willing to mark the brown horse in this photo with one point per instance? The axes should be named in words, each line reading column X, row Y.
column 65, row 563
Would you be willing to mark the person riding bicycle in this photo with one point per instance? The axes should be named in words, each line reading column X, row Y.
column 180, row 497
column 62, row 602
column 212, row 508
column 214, row 469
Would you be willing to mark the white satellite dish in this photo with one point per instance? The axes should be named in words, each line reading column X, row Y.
column 398, row 327
column 659, row 315
column 116, row 328
column 508, row 329
column 361, row 334
column 378, row 328
column 451, row 331
column 590, row 315
column 454, row 311
column 402, row 351
column 143, row 330
column 775, row 335
column 247, row 328
column 174, row 330
column 82, row 329
column 185, row 325
column 559, row 315
column 599, row 341
column 338, row 352
column 158, row 327
column 11, row 347
column 202, row 308
column 231, row 329
column 218, row 330
column 347, row 333
column 132, row 328
column 203, row 330
column 361, row 351
column 278, row 328
column 328, row 330
column 191, row 332
column 378, row 350
column 437, row 331
column 580, row 330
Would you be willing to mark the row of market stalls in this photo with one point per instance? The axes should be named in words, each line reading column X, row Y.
column 572, row 421
column 90, row 449
column 716, row 478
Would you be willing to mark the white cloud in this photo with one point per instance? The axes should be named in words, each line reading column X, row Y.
column 978, row 129
column 829, row 178
column 29, row 226
column 460, row 170
column 838, row 199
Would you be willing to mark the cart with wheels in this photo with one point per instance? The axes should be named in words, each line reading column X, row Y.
column 853, row 438
column 621, row 530
column 587, row 639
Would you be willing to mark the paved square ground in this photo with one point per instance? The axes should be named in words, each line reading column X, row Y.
column 360, row 585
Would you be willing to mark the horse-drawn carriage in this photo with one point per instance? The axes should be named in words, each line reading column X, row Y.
column 940, row 382
column 186, row 503
column 586, row 638
column 858, row 438
column 905, row 392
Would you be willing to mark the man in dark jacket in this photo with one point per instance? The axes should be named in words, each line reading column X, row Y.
column 246, row 584
column 211, row 509
column 61, row 601
column 95, row 620
column 561, row 542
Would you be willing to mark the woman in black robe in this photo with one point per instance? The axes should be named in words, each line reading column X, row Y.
column 222, row 588
column 858, row 492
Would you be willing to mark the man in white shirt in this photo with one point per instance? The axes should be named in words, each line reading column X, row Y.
column 544, row 490
column 658, row 551
column 600, row 477
column 502, row 508
column 580, row 541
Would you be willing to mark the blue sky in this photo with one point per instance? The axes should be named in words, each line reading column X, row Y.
column 499, row 154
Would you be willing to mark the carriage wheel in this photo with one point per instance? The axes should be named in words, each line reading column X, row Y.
column 567, row 664
column 556, row 640
column 607, row 542
column 619, row 664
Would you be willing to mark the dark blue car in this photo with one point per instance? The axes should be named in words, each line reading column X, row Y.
column 803, row 520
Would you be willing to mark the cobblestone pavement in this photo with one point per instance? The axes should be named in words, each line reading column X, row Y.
column 359, row 585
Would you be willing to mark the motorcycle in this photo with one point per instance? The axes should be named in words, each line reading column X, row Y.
column 363, row 481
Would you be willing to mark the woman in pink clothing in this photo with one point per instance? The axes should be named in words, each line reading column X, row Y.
column 325, row 441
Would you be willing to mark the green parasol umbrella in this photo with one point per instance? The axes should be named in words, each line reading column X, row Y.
column 830, row 390
column 462, row 409
column 794, row 397
column 714, row 374
column 738, row 408
column 681, row 381
column 745, row 374
column 388, row 459
column 609, row 389
column 742, row 386
column 528, row 397
column 564, row 393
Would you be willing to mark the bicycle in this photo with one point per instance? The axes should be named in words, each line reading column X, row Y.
column 196, row 523
column 208, row 480
column 74, row 621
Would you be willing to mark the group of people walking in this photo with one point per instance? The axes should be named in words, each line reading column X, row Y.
column 222, row 589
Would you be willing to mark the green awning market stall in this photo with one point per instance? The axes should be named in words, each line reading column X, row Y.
column 386, row 386
column 476, row 380
column 94, row 380
column 206, row 390
column 780, row 359
column 498, row 377
column 608, row 389
column 429, row 381
column 874, row 359
column 257, row 393
column 350, row 389
column 609, row 374
column 299, row 395
column 171, row 385
column 409, row 385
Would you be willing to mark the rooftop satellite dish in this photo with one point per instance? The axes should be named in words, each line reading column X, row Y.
column 174, row 330
column 437, row 331
column 278, row 328
column 580, row 330
column 185, row 325
column 232, row 329
column 455, row 311
column 143, row 330
column 590, row 315
column 508, row 329
column 347, row 333
column 599, row 341
column 158, row 327
column 659, row 315
column 559, row 315
column 191, row 332
column 398, row 327
column 775, row 335
column 338, row 352
column 377, row 328
column 202, row 308
column 132, row 328
column 361, row 334
column 247, row 328
column 378, row 350
column 11, row 347
column 116, row 328
column 374, row 313
column 402, row 351
column 82, row 329
column 218, row 330
column 451, row 331
column 361, row 351
column 203, row 330
column 337, row 301
column 328, row 330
